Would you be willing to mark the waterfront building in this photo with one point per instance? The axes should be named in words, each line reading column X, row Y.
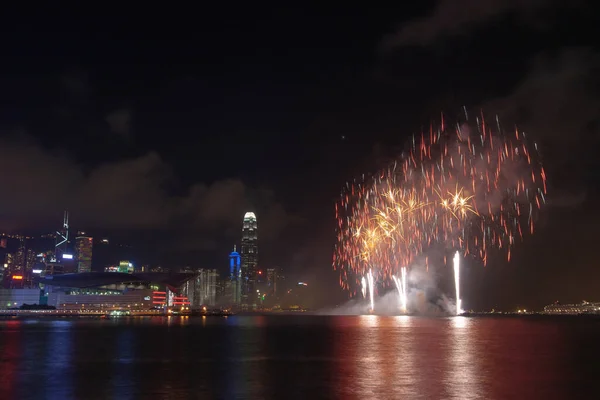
column 101, row 291
column 15, row 298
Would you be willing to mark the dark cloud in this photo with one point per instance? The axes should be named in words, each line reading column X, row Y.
column 567, row 200
column 120, row 122
column 557, row 103
column 453, row 17
column 132, row 194
column 76, row 83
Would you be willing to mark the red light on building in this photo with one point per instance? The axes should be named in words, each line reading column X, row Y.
column 159, row 298
column 18, row 277
column 181, row 301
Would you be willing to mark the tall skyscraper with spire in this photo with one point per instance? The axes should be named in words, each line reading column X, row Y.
column 235, row 277
column 62, row 239
column 249, row 258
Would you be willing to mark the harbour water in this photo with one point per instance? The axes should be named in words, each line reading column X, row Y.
column 300, row 357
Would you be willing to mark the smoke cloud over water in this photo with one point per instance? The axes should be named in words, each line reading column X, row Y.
column 425, row 298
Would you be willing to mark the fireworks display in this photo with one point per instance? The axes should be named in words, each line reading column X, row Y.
column 471, row 186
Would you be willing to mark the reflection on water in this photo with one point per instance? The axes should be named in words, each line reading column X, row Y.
column 123, row 362
column 461, row 379
column 282, row 357
column 10, row 352
column 58, row 360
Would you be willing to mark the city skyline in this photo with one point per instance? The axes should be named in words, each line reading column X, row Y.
column 77, row 242
column 58, row 275
column 164, row 149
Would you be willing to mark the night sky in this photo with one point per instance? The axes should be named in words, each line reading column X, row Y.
column 160, row 128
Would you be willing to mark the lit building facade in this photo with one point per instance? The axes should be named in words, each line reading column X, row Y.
column 9, row 264
column 125, row 267
column 84, row 246
column 14, row 298
column 20, row 257
column 234, row 287
column 97, row 291
column 249, row 259
column 272, row 280
column 62, row 239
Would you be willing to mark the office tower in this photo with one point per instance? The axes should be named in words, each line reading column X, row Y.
column 249, row 258
column 30, row 257
column 235, row 277
column 272, row 281
column 83, row 248
column 30, row 260
column 20, row 258
column 62, row 239
column 9, row 266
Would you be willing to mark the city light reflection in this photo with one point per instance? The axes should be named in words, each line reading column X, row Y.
column 123, row 365
column 59, row 359
column 10, row 348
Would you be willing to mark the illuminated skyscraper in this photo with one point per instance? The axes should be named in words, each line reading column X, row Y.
column 272, row 278
column 83, row 247
column 234, row 285
column 249, row 258
column 62, row 239
column 21, row 257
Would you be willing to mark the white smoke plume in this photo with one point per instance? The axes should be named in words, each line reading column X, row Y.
column 425, row 298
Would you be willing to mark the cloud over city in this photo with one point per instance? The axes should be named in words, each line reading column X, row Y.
column 134, row 193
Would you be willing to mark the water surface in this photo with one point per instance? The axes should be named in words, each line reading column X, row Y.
column 300, row 357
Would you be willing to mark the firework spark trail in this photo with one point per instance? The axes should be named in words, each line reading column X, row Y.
column 399, row 288
column 466, row 187
column 371, row 286
column 459, row 309
column 402, row 293
column 364, row 287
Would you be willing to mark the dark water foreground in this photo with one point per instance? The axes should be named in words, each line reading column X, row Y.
column 301, row 357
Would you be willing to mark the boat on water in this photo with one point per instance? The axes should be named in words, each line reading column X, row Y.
column 217, row 312
column 116, row 314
